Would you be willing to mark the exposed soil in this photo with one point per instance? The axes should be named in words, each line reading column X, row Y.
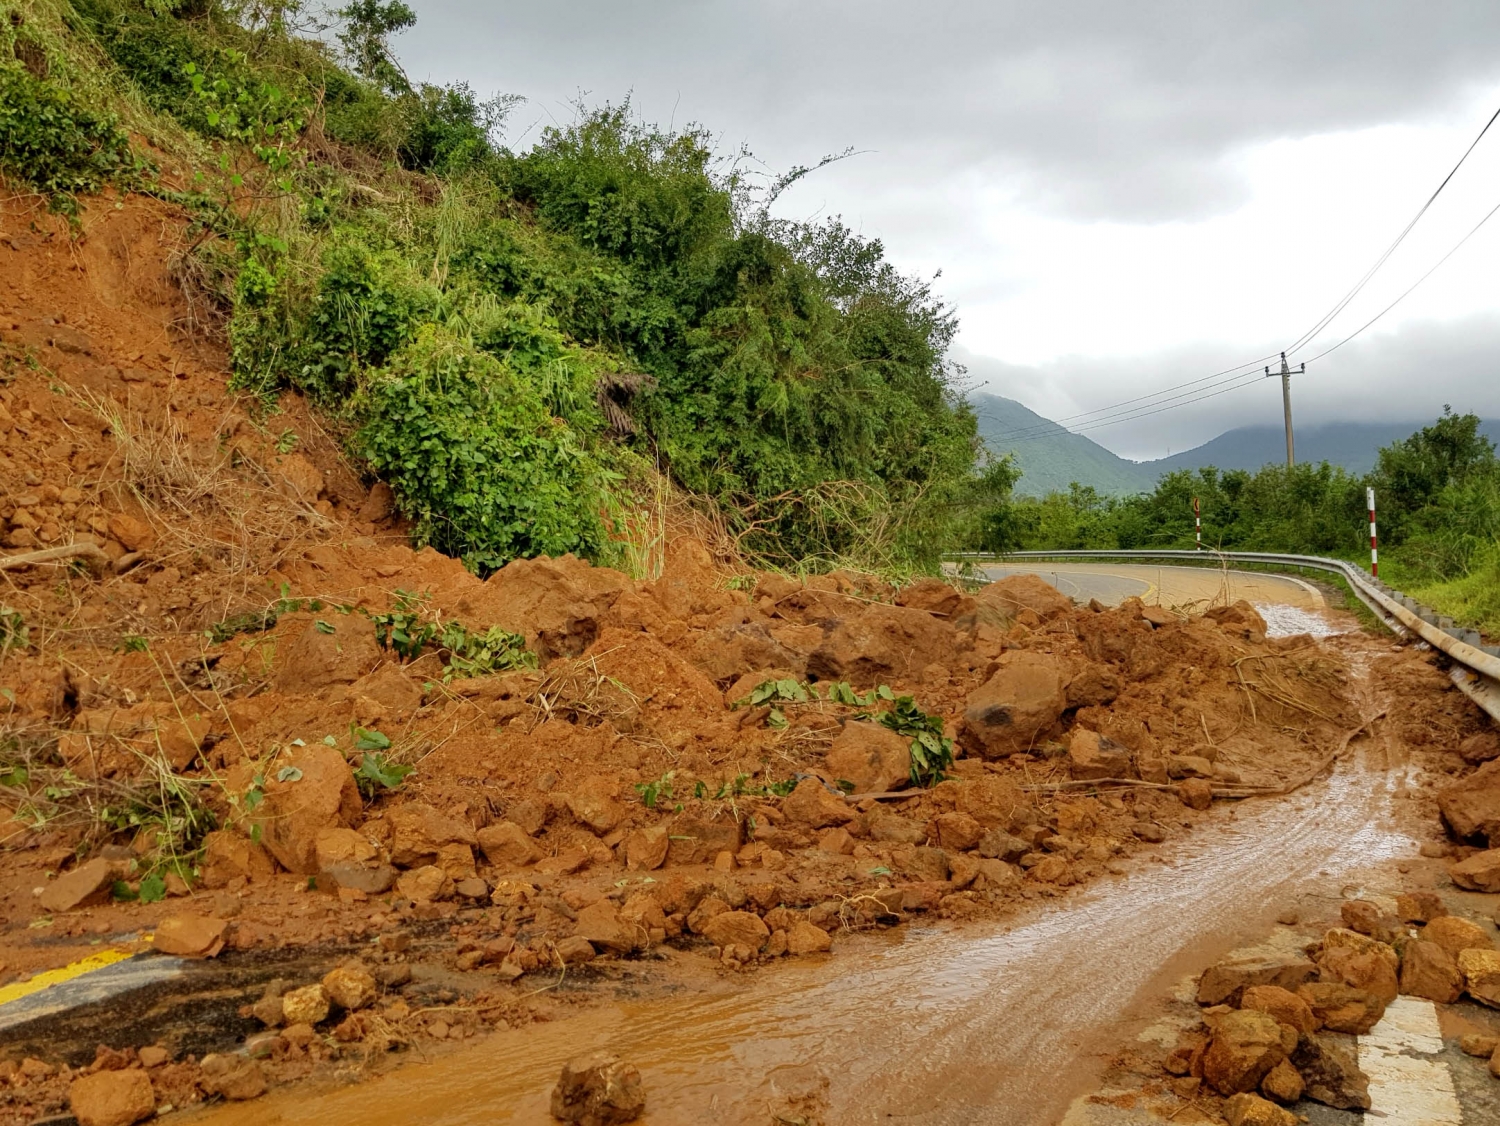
column 622, row 817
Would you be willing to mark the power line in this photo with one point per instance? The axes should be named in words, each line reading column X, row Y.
column 1307, row 337
column 1411, row 287
column 1156, row 395
column 1109, row 415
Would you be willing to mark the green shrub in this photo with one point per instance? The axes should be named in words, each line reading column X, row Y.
column 487, row 473
column 53, row 143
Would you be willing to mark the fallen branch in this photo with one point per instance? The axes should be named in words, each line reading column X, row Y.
column 52, row 554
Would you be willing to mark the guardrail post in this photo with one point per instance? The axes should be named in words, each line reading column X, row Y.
column 1374, row 558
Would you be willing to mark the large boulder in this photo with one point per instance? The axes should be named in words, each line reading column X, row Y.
column 1358, row 960
column 1342, row 1008
column 730, row 652
column 1017, row 706
column 1480, row 872
column 556, row 604
column 694, row 838
column 1481, row 970
column 1427, row 970
column 322, row 651
column 1282, row 1004
column 884, row 643
column 1454, row 934
column 1328, row 1066
column 310, row 790
column 1246, row 1044
column 871, row 757
column 1009, row 596
column 229, row 856
column 1227, row 980
column 1471, row 809
column 938, row 598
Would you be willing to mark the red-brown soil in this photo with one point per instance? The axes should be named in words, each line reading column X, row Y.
column 612, row 801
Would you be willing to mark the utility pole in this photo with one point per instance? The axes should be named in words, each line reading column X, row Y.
column 1286, row 402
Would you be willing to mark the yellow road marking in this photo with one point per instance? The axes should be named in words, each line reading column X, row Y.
column 99, row 961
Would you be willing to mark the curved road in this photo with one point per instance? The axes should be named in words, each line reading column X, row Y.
column 1181, row 588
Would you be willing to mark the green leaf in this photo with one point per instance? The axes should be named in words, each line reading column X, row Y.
column 289, row 774
column 367, row 740
column 153, row 888
column 322, row 626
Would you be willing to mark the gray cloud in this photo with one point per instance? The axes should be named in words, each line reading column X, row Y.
column 1406, row 376
column 1089, row 108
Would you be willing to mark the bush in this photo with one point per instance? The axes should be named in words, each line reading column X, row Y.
column 54, row 144
column 476, row 459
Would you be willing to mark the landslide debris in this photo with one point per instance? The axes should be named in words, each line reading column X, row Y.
column 266, row 722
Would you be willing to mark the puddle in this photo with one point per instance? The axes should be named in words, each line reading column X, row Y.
column 1289, row 621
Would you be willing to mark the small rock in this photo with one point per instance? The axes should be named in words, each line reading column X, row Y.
column 1481, row 970
column 1419, row 907
column 736, row 928
column 600, row 923
column 1226, row 980
column 428, row 884
column 1283, row 1084
column 598, row 1090
column 1282, row 1004
column 1092, row 756
column 1252, row 1110
column 136, row 535
column 112, row 1098
column 349, row 987
column 308, row 1005
column 871, row 757
column 804, row 938
column 812, row 805
column 646, row 849
column 958, row 832
column 189, row 936
column 999, row 845
column 84, row 886
column 1196, row 793
column 837, row 841
column 233, row 1077
column 153, row 1056
column 1481, row 1044
column 575, row 950
column 471, row 887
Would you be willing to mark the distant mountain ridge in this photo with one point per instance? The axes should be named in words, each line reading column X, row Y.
column 1051, row 457
column 1353, row 445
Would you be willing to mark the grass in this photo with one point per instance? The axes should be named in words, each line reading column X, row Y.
column 1473, row 599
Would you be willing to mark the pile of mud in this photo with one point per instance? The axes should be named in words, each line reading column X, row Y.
column 210, row 733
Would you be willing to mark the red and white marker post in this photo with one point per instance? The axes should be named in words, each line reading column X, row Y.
column 1198, row 525
column 1374, row 558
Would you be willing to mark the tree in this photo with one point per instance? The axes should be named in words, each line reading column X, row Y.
column 368, row 27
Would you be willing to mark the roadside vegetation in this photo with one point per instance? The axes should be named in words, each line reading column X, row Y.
column 523, row 343
column 1438, row 499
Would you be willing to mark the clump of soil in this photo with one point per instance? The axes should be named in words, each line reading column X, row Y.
column 219, row 720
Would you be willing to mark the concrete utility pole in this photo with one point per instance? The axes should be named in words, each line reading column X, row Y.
column 1286, row 402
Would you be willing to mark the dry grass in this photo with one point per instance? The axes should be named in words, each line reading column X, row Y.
column 575, row 690
column 204, row 500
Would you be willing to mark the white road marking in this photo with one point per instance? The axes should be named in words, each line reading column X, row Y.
column 1407, row 1089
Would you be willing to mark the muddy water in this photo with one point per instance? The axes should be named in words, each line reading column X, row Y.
column 978, row 1025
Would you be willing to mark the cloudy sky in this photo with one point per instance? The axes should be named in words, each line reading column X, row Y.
column 1120, row 197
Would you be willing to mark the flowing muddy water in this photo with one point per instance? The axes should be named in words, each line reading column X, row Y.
column 1000, row 1023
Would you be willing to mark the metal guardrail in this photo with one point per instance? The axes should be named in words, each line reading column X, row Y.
column 1476, row 667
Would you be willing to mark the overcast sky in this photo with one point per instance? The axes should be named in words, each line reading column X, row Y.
column 1121, row 197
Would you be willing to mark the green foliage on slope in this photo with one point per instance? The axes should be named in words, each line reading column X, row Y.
column 511, row 336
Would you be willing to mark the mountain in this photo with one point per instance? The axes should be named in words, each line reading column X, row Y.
column 1049, row 456
column 1352, row 445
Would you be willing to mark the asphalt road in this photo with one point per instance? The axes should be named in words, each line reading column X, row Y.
column 1183, row 588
